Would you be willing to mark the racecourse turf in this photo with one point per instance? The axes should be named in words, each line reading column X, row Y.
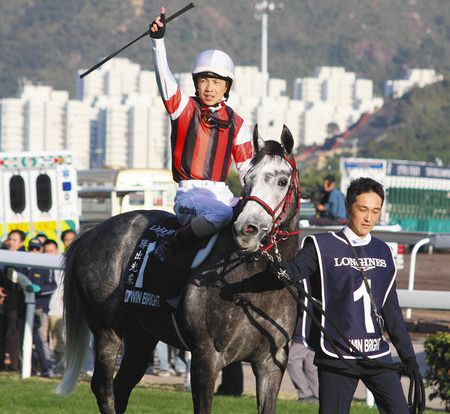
column 35, row 395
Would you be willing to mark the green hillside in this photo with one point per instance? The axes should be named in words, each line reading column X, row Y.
column 48, row 40
column 415, row 127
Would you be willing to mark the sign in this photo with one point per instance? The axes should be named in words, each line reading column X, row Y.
column 27, row 160
column 358, row 164
column 416, row 169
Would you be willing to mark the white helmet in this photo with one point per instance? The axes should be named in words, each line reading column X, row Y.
column 215, row 62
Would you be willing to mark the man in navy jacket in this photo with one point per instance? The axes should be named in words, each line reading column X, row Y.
column 333, row 267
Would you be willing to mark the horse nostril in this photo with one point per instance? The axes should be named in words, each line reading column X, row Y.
column 250, row 230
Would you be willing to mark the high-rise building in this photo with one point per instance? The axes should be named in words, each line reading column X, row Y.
column 413, row 78
column 11, row 125
column 77, row 132
column 332, row 96
column 147, row 133
column 43, row 119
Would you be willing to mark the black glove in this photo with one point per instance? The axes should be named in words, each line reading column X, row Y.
column 161, row 30
column 411, row 367
column 278, row 269
column 416, row 394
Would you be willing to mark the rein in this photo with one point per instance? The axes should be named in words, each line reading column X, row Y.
column 276, row 234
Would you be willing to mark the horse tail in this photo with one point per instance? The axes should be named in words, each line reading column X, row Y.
column 77, row 329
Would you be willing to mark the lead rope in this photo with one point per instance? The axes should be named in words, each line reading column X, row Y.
column 378, row 317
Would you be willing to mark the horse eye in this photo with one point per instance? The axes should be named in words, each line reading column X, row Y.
column 283, row 182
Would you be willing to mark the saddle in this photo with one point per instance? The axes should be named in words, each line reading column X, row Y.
column 150, row 283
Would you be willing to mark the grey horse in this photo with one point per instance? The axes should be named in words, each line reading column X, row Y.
column 232, row 309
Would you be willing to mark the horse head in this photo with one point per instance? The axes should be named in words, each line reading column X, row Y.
column 271, row 193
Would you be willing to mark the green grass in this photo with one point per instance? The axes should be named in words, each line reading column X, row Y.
column 35, row 395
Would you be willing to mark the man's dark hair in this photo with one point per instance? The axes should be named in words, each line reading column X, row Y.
column 19, row 232
column 363, row 185
column 330, row 178
column 50, row 241
column 66, row 232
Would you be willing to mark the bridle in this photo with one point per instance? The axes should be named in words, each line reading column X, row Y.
column 276, row 234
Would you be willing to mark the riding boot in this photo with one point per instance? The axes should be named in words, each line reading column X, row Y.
column 173, row 245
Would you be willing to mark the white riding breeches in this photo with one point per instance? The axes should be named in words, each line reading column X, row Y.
column 210, row 199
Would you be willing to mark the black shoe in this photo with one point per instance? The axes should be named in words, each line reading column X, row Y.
column 308, row 400
column 173, row 245
column 48, row 374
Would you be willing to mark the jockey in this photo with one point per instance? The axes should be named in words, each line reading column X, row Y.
column 206, row 135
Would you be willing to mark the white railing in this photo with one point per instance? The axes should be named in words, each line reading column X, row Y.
column 426, row 299
column 27, row 345
column 27, row 259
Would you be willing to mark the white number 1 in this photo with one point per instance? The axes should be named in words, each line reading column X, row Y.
column 140, row 278
column 359, row 293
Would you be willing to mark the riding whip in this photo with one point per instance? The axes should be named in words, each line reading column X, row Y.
column 168, row 19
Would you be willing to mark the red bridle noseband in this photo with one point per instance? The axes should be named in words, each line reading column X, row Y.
column 276, row 234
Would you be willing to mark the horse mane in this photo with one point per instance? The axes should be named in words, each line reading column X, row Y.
column 271, row 148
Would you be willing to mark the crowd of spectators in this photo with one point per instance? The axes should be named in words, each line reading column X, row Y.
column 48, row 325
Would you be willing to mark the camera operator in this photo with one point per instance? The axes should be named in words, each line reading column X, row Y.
column 332, row 211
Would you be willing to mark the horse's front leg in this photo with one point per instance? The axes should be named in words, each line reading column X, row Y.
column 204, row 369
column 269, row 372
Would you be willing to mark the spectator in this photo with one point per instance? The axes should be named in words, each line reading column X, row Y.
column 2, row 319
column 333, row 210
column 89, row 366
column 301, row 368
column 35, row 245
column 169, row 361
column 2, row 295
column 67, row 237
column 13, row 306
column 55, row 312
column 178, row 364
column 232, row 380
column 41, row 237
column 50, row 247
column 162, row 351
column 46, row 281
column 5, row 244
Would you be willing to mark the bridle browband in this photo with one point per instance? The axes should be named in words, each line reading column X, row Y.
column 276, row 234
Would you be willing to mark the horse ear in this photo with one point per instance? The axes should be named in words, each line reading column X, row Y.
column 287, row 140
column 258, row 142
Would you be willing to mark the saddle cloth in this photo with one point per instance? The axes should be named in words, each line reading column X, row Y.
column 149, row 283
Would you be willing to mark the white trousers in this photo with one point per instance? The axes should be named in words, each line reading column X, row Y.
column 210, row 199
